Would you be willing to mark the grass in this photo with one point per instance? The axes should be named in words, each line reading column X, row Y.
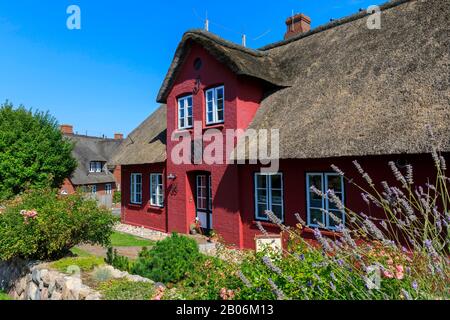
column 4, row 296
column 86, row 263
column 126, row 290
column 80, row 253
column 125, row 240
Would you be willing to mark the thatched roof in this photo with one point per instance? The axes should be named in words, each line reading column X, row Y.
column 340, row 89
column 241, row 60
column 147, row 143
column 89, row 149
column 357, row 91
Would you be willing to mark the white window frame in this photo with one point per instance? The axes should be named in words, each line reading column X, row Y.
column 94, row 189
column 261, row 215
column 133, row 188
column 108, row 188
column 183, row 104
column 215, row 110
column 159, row 195
column 325, row 201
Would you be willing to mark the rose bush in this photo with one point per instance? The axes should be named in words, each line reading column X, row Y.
column 43, row 225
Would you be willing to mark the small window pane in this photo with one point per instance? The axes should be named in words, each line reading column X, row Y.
column 278, row 211
column 276, row 181
column 316, row 216
column 315, row 181
column 261, row 181
column 335, row 183
column 331, row 222
column 220, row 93
column 220, row 115
column 277, row 198
column 261, row 211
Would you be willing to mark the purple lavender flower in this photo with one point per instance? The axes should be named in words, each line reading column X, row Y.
column 333, row 287
column 277, row 291
column 415, row 286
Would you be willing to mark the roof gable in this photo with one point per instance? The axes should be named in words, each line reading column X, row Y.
column 241, row 60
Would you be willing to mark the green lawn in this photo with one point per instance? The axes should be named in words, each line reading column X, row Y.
column 4, row 296
column 70, row 265
column 125, row 240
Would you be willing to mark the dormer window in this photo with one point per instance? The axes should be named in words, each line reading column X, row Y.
column 215, row 105
column 185, row 112
column 96, row 166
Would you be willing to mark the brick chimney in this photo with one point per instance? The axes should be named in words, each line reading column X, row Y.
column 118, row 136
column 66, row 129
column 297, row 24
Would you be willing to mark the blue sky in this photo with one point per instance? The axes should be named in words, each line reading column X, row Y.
column 105, row 77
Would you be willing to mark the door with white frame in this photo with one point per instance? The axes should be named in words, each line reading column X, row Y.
column 203, row 196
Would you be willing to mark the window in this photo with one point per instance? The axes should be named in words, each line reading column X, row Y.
column 94, row 189
column 108, row 188
column 316, row 203
column 185, row 112
column 136, row 188
column 96, row 166
column 269, row 195
column 215, row 105
column 156, row 190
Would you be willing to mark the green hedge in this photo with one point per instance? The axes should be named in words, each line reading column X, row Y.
column 44, row 225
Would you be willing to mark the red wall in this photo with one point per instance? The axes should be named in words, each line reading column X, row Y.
column 144, row 214
column 294, row 178
column 242, row 98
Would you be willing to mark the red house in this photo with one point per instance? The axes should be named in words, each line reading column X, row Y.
column 341, row 92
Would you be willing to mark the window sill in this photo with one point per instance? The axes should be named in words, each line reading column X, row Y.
column 219, row 125
column 265, row 223
column 135, row 205
column 324, row 232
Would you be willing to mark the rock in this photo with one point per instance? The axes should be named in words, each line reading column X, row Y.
column 135, row 278
column 59, row 282
column 71, row 289
column 33, row 292
column 45, row 277
column 36, row 276
column 44, row 294
column 85, row 292
column 21, row 286
column 56, row 296
column 94, row 296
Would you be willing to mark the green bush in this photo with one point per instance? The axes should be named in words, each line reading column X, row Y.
column 43, row 225
column 33, row 152
column 117, row 197
column 117, row 261
column 127, row 290
column 169, row 260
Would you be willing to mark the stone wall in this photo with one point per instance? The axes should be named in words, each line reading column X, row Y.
column 33, row 281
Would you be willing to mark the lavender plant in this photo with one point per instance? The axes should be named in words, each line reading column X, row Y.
column 402, row 255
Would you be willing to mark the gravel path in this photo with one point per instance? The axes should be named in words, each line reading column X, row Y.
column 141, row 232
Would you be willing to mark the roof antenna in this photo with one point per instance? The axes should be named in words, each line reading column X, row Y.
column 244, row 40
column 206, row 22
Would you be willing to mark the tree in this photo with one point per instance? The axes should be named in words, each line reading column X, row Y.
column 33, row 152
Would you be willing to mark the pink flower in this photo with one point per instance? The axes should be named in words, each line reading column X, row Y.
column 388, row 274
column 400, row 272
